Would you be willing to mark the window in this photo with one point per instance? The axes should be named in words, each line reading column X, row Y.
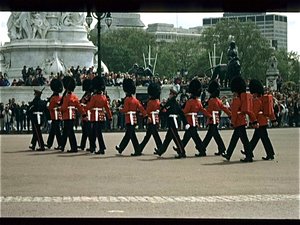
column 242, row 19
column 269, row 17
column 260, row 18
column 251, row 18
column 206, row 21
column 214, row 21
column 276, row 18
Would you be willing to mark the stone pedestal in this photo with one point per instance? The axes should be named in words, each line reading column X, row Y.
column 272, row 73
column 65, row 44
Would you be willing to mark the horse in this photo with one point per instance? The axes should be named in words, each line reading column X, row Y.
column 226, row 71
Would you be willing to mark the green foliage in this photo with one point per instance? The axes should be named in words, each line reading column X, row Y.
column 253, row 49
column 288, row 65
column 121, row 48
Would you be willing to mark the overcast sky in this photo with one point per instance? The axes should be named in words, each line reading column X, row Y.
column 187, row 20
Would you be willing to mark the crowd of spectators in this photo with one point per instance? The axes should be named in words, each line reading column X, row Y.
column 13, row 116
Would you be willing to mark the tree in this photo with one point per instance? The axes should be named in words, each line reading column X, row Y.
column 288, row 65
column 121, row 48
column 253, row 49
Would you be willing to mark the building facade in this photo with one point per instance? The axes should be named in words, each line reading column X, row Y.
column 168, row 33
column 272, row 26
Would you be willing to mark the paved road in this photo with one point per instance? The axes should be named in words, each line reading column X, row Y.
column 60, row 184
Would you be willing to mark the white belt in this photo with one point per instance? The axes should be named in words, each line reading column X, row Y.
column 71, row 111
column 239, row 112
column 38, row 115
column 214, row 116
column 260, row 112
column 96, row 112
column 131, row 116
column 89, row 115
column 193, row 118
column 175, row 120
column 55, row 113
column 153, row 115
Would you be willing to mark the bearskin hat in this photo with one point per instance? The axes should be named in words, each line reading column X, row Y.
column 154, row 90
column 255, row 86
column 69, row 83
column 238, row 85
column 86, row 85
column 214, row 88
column 128, row 86
column 56, row 85
column 98, row 83
column 195, row 87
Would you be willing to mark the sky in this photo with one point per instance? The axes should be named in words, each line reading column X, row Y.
column 187, row 20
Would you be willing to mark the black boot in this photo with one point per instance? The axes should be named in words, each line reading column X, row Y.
column 226, row 156
column 268, row 157
column 119, row 149
column 157, row 152
column 32, row 147
column 246, row 160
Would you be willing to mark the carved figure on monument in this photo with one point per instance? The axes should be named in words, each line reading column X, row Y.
column 234, row 66
column 23, row 23
column 13, row 30
column 40, row 25
column 272, row 63
column 72, row 19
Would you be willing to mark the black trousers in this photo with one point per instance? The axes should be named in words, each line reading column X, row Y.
column 240, row 132
column 54, row 131
column 68, row 131
column 151, row 130
column 261, row 133
column 213, row 132
column 86, row 133
column 172, row 134
column 130, row 135
column 97, row 133
column 37, row 135
column 192, row 133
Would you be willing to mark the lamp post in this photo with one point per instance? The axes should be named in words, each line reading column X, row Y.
column 108, row 20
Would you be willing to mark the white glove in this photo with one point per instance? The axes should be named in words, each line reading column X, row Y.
column 49, row 121
column 187, row 126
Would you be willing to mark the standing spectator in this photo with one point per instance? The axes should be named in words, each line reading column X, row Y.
column 162, row 115
column 115, row 114
column 13, row 107
column 297, row 113
column 24, row 73
column 7, row 117
column 225, row 121
column 38, row 70
column 29, row 81
column 1, row 116
column 279, row 83
column 23, row 113
column 291, row 114
column 19, row 118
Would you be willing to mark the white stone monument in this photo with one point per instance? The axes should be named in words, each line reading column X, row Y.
column 55, row 41
column 272, row 73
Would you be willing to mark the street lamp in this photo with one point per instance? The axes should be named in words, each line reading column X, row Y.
column 108, row 20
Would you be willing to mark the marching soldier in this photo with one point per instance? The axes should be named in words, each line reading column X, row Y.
column 36, row 109
column 86, row 125
column 131, row 104
column 95, row 105
column 54, row 101
column 153, row 107
column 262, row 108
column 241, row 105
column 192, row 107
column 173, row 109
column 214, row 106
column 69, row 104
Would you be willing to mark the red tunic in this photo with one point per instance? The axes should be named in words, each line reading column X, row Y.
column 238, row 118
column 192, row 107
column 131, row 104
column 96, row 105
column 214, row 106
column 258, row 106
column 69, row 106
column 53, row 108
column 153, row 107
